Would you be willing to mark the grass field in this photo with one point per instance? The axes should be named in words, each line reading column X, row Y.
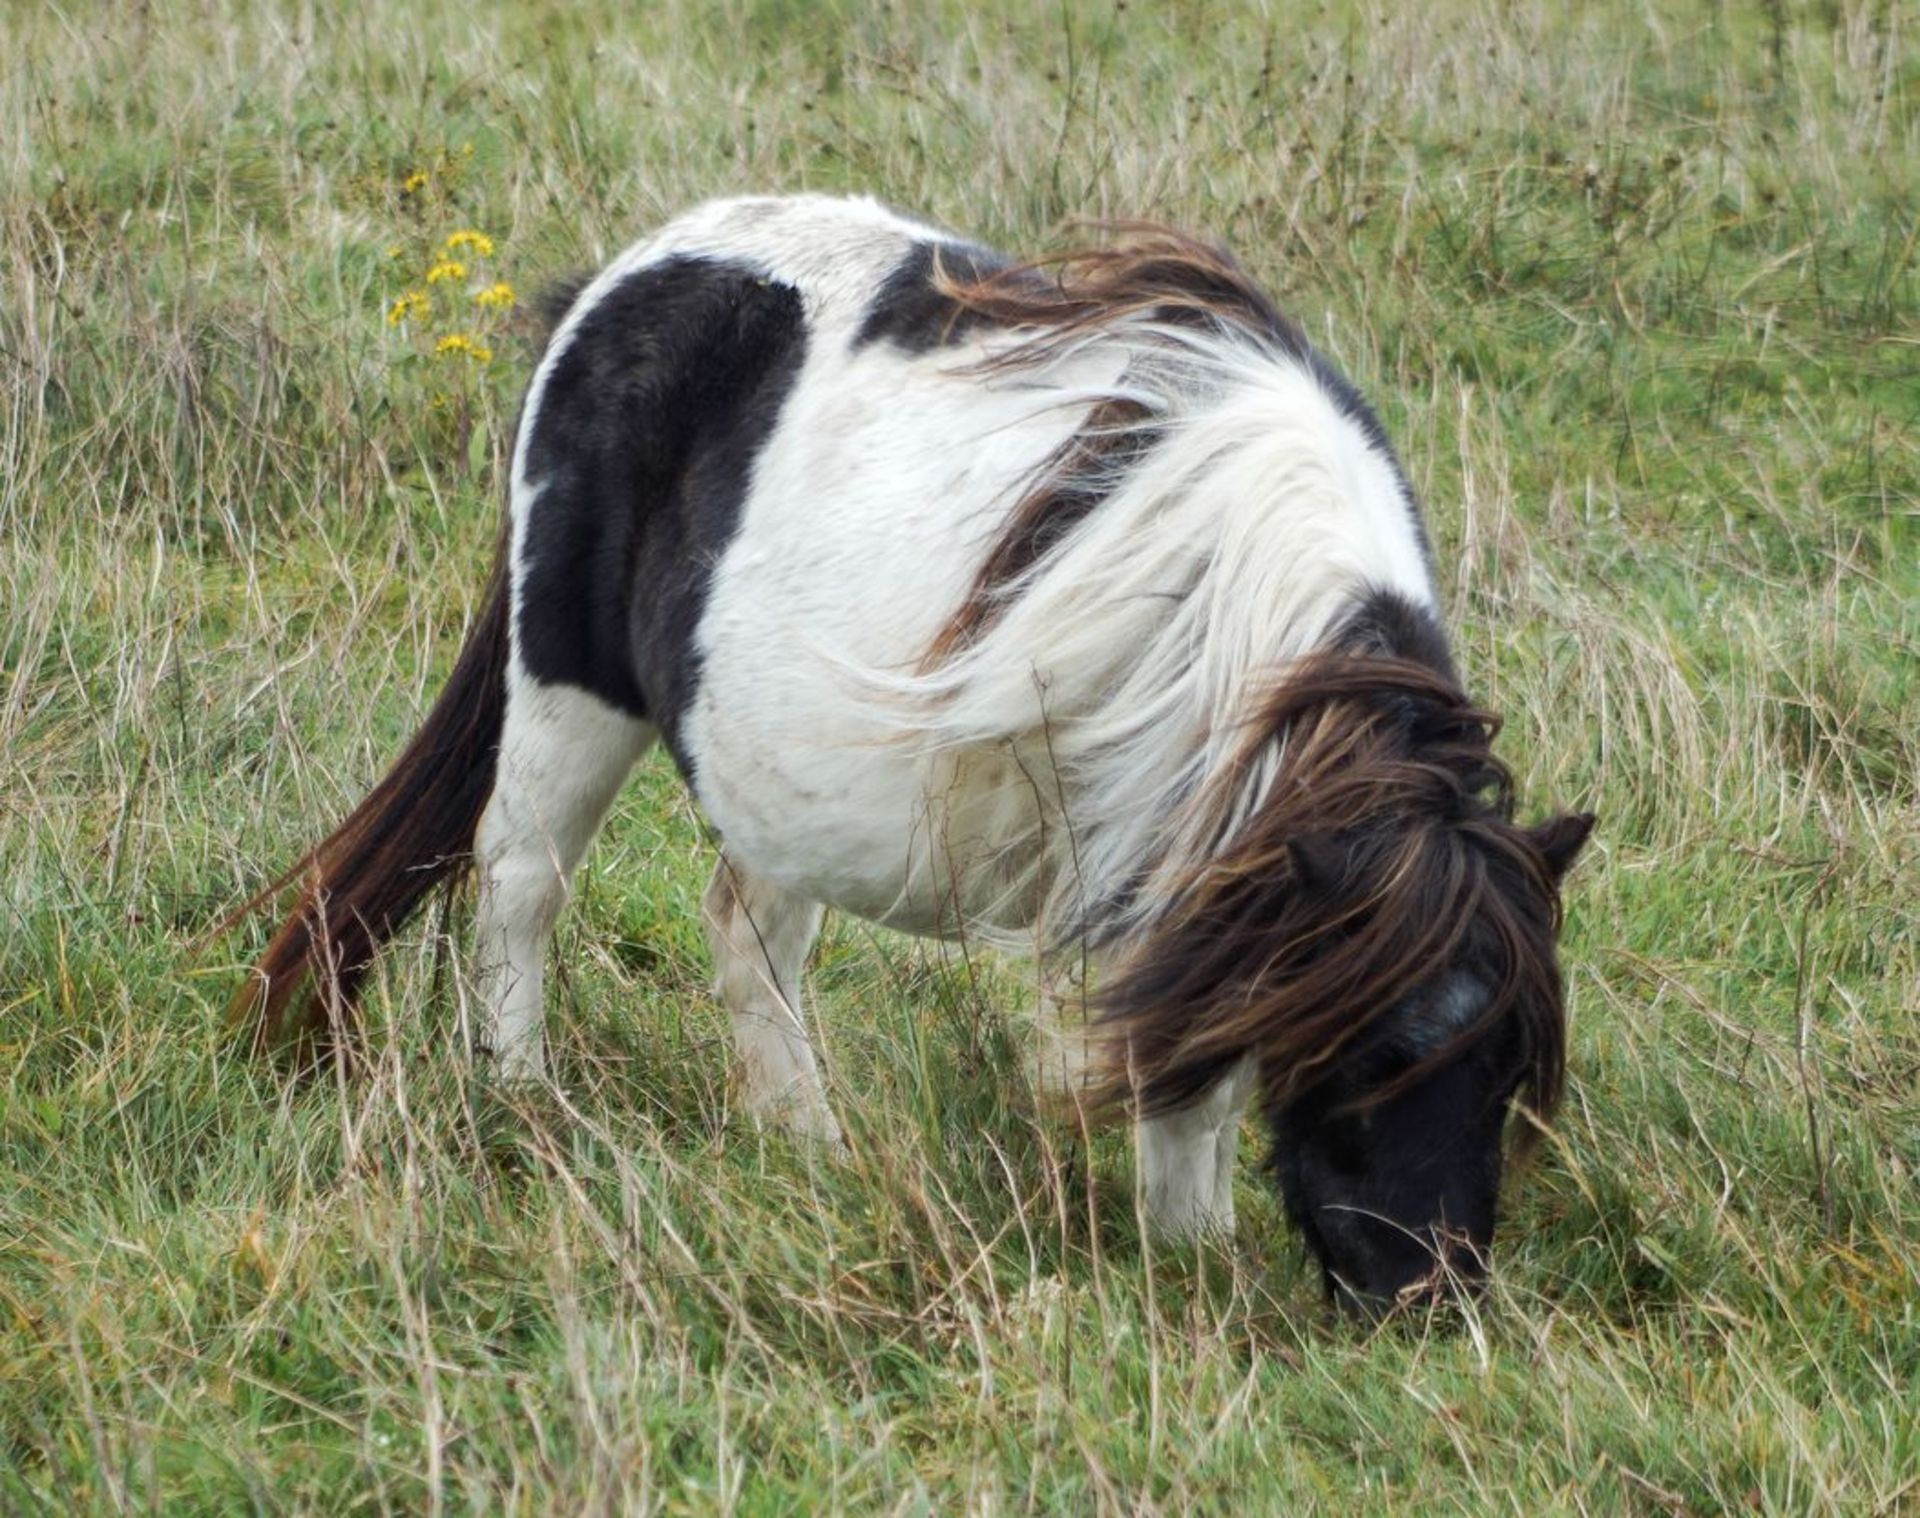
column 1635, row 287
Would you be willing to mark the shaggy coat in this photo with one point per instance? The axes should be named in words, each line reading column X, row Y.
column 1077, row 605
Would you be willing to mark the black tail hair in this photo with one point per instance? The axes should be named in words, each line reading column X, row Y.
column 414, row 831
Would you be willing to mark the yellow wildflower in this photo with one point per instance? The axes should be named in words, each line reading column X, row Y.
column 478, row 242
column 415, row 182
column 459, row 345
column 395, row 250
column 446, row 268
column 413, row 306
column 498, row 296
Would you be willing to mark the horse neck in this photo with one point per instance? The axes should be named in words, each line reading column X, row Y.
column 1254, row 521
column 1248, row 543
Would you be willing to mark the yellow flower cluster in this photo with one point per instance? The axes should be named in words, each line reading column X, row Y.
column 461, row 323
column 432, row 179
column 415, row 305
column 460, row 345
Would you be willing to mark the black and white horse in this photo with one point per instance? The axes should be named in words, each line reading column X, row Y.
column 1076, row 604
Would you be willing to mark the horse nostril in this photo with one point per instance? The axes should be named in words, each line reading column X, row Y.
column 1451, row 1270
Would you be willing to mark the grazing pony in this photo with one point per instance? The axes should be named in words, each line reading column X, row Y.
column 1077, row 604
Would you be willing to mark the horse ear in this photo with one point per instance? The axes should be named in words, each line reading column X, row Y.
column 1560, row 838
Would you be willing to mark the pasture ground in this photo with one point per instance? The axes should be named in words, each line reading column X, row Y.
column 1635, row 287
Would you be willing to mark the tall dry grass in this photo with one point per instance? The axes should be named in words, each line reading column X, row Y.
column 1635, row 288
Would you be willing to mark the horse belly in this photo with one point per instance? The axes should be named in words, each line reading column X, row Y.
column 882, row 840
column 861, row 534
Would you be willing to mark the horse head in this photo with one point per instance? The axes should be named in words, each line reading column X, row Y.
column 1378, row 940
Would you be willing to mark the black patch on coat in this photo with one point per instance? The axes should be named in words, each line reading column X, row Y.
column 912, row 312
column 1385, row 624
column 641, row 454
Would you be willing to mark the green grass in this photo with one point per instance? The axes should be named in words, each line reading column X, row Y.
column 1635, row 287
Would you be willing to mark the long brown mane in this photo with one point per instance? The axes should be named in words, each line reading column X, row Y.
column 1384, row 851
column 1149, row 272
column 1145, row 271
column 1069, row 485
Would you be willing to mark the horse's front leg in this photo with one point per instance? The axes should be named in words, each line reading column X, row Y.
column 761, row 936
column 1187, row 1157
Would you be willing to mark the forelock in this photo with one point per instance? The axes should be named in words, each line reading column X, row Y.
column 1387, row 772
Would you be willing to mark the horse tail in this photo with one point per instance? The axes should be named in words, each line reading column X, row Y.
column 413, row 832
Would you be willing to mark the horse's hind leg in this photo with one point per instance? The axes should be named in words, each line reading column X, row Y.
column 760, row 936
column 563, row 754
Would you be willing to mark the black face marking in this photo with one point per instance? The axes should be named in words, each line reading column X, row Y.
column 641, row 452
column 1385, row 1194
column 910, row 311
